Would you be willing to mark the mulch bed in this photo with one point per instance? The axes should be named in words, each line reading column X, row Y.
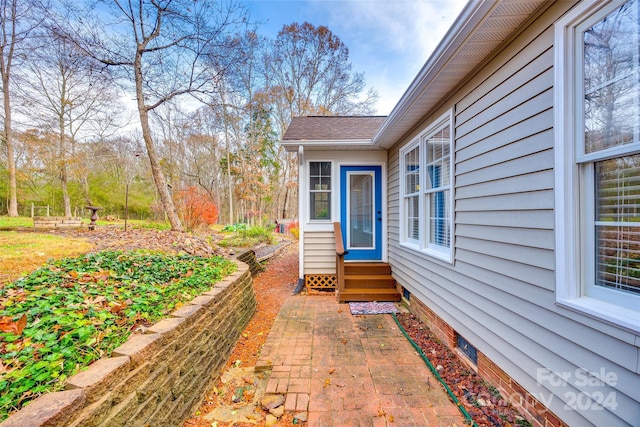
column 115, row 238
column 481, row 400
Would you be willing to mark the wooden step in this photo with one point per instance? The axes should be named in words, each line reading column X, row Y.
column 369, row 281
column 360, row 268
column 367, row 295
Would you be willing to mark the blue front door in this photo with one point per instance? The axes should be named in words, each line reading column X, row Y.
column 361, row 212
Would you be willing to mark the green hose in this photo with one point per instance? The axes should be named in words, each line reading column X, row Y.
column 435, row 372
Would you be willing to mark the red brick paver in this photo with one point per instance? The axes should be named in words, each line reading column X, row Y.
column 347, row 370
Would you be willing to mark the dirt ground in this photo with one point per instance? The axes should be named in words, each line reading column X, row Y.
column 272, row 287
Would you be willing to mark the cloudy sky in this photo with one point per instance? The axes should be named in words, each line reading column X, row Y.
column 388, row 40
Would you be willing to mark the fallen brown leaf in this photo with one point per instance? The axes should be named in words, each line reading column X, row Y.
column 7, row 324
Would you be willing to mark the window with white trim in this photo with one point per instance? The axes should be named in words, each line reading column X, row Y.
column 426, row 218
column 320, row 190
column 411, row 170
column 598, row 161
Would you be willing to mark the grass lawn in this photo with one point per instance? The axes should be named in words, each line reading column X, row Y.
column 21, row 253
column 25, row 221
column 21, row 221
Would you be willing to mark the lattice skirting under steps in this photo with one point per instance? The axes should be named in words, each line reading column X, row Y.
column 320, row 282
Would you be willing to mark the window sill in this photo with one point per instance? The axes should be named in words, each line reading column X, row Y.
column 615, row 315
column 440, row 255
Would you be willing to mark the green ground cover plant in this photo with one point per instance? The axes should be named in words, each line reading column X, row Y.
column 231, row 228
column 73, row 311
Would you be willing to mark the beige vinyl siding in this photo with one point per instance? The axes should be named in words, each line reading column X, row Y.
column 393, row 198
column 499, row 293
column 320, row 252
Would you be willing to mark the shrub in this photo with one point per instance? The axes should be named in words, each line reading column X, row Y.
column 249, row 236
column 152, row 225
column 230, row 228
column 196, row 208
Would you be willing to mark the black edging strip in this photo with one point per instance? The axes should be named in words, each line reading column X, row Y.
column 435, row 372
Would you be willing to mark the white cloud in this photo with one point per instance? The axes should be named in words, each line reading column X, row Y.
column 388, row 40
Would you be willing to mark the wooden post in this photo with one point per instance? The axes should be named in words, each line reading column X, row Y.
column 337, row 234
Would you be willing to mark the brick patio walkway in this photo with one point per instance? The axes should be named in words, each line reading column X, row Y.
column 350, row 370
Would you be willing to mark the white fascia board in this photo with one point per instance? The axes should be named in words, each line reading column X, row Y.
column 311, row 144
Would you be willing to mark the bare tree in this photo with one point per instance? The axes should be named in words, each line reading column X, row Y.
column 308, row 72
column 18, row 19
column 68, row 94
column 310, row 67
column 157, row 47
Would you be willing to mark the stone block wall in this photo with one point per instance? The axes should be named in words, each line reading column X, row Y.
column 57, row 222
column 249, row 258
column 156, row 378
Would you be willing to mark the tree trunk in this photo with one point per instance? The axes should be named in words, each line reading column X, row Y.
column 229, row 181
column 66, row 200
column 284, row 205
column 65, row 191
column 8, row 137
column 228, row 146
column 156, row 170
column 84, row 183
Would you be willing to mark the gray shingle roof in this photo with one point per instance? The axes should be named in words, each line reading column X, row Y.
column 332, row 128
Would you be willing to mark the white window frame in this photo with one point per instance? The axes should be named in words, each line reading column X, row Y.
column 422, row 244
column 574, row 178
column 330, row 192
column 405, row 239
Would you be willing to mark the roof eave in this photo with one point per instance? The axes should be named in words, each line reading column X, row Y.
column 470, row 21
column 292, row 145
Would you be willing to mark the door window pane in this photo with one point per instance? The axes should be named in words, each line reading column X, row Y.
column 361, row 215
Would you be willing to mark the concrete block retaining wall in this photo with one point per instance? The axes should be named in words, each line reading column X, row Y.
column 157, row 378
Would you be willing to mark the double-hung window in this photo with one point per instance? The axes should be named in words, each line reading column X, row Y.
column 598, row 161
column 320, row 190
column 426, row 190
column 412, row 194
